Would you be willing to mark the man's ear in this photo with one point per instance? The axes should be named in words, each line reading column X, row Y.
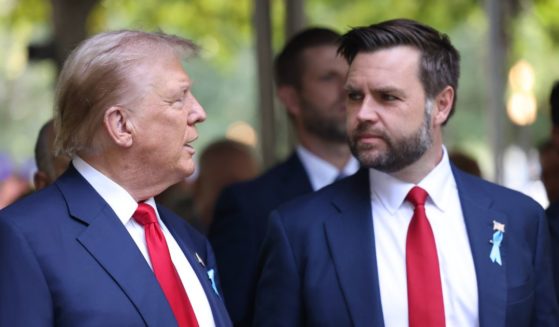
column 443, row 105
column 118, row 126
column 288, row 96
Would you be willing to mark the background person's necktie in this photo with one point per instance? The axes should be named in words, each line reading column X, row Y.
column 163, row 267
column 425, row 295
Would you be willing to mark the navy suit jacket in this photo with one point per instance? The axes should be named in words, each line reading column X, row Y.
column 552, row 213
column 239, row 226
column 67, row 260
column 319, row 258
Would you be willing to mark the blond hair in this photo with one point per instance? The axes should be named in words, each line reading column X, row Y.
column 102, row 72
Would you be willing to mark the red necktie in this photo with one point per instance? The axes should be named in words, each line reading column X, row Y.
column 425, row 295
column 163, row 267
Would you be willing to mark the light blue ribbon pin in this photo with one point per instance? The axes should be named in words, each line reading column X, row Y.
column 495, row 254
column 211, row 275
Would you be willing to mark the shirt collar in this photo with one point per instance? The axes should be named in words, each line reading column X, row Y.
column 115, row 195
column 391, row 192
column 320, row 171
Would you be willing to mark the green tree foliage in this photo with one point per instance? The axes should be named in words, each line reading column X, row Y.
column 224, row 76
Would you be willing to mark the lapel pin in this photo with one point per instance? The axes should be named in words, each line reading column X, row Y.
column 498, row 226
column 211, row 276
column 200, row 260
column 495, row 254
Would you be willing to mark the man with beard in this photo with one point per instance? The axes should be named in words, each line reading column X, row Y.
column 410, row 240
column 309, row 78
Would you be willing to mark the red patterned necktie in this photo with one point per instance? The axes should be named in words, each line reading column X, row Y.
column 425, row 295
column 163, row 267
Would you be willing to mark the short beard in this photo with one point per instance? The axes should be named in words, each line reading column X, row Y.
column 326, row 128
column 399, row 153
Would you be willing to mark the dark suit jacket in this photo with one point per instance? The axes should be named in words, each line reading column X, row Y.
column 67, row 260
column 319, row 258
column 552, row 213
column 239, row 226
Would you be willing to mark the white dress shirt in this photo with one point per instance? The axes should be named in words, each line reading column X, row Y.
column 320, row 171
column 391, row 217
column 124, row 207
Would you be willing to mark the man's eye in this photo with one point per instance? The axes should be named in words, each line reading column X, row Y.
column 388, row 97
column 354, row 96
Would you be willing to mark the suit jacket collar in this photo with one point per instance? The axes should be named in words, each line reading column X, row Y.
column 350, row 236
column 294, row 179
column 109, row 243
column 491, row 277
column 178, row 230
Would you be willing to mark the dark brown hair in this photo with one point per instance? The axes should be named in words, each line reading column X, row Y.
column 288, row 65
column 440, row 61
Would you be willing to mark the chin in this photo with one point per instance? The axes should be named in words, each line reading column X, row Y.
column 188, row 169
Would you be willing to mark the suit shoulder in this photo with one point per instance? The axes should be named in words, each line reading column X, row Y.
column 269, row 178
column 265, row 192
column 503, row 197
column 34, row 208
column 311, row 208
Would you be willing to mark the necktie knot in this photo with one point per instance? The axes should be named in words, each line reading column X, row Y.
column 145, row 214
column 417, row 196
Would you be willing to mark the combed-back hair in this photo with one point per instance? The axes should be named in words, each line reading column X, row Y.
column 288, row 65
column 440, row 61
column 103, row 72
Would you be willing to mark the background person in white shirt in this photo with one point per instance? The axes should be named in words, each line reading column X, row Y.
column 339, row 257
column 72, row 254
column 309, row 77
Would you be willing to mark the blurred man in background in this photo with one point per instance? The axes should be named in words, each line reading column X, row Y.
column 309, row 78
column 49, row 165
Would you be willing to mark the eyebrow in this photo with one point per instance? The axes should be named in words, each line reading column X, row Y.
column 350, row 88
column 387, row 89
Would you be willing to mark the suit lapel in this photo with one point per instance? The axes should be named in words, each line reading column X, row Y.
column 295, row 180
column 491, row 277
column 350, row 237
column 108, row 241
column 182, row 236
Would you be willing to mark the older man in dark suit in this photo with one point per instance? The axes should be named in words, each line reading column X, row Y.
column 93, row 248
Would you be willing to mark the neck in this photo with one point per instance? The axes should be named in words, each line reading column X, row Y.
column 133, row 179
column 415, row 172
column 336, row 153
